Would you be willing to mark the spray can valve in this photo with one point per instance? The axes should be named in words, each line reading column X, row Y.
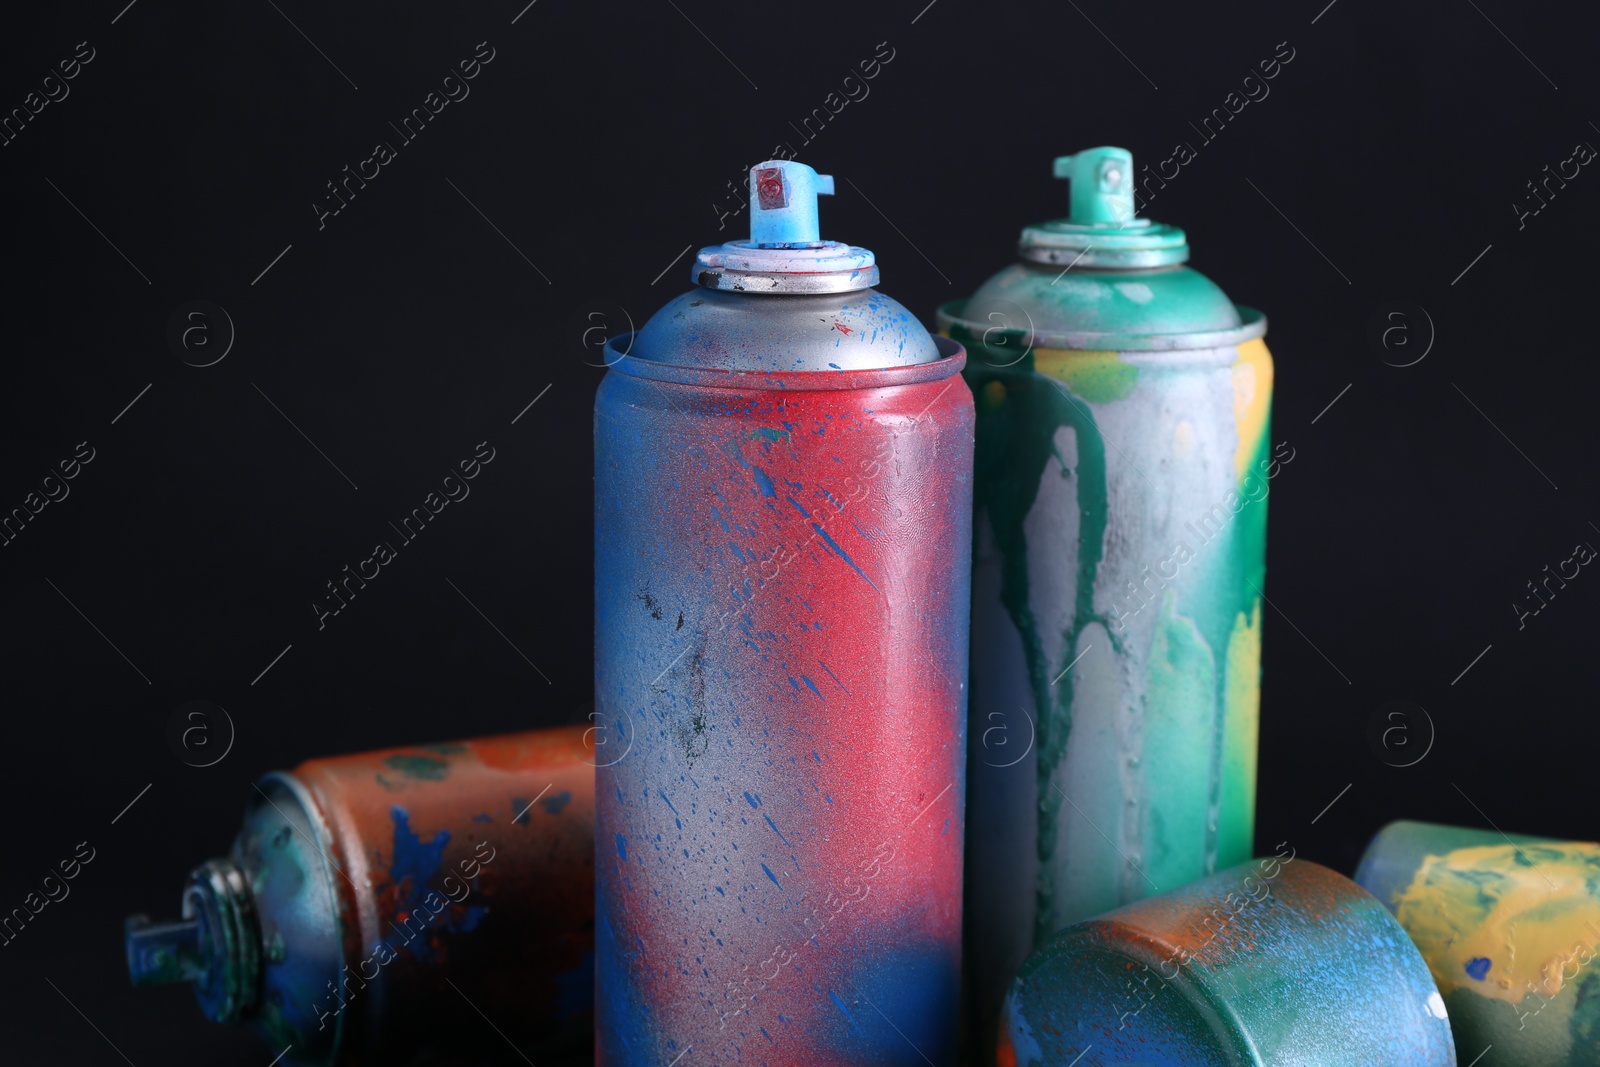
column 163, row 953
column 1102, row 185
column 783, row 203
column 785, row 252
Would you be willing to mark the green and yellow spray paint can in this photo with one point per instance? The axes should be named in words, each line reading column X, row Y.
column 1510, row 927
column 1119, row 552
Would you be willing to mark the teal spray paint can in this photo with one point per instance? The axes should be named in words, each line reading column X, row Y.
column 1119, row 554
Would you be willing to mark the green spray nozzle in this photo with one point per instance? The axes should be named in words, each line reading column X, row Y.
column 1102, row 185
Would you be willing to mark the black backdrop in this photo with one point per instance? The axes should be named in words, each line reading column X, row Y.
column 188, row 153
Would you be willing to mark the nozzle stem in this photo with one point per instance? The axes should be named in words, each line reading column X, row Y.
column 163, row 953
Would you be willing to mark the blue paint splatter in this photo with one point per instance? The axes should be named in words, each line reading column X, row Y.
column 774, row 877
column 1478, row 967
column 412, row 858
column 834, row 547
column 813, row 687
column 482, row 817
column 555, row 804
column 755, row 801
column 763, row 482
column 835, row 998
column 797, row 506
column 622, row 847
column 835, row 677
column 775, row 829
column 413, row 862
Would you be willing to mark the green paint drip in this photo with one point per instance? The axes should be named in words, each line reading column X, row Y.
column 1178, row 708
column 424, row 768
column 1015, row 442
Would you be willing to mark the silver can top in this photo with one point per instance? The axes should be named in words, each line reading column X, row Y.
column 784, row 300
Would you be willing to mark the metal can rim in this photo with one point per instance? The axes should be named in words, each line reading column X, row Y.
column 952, row 358
column 1253, row 324
column 317, row 821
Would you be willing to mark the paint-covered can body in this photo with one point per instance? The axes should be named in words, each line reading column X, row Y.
column 1120, row 519
column 781, row 607
column 375, row 908
column 1510, row 927
column 1266, row 964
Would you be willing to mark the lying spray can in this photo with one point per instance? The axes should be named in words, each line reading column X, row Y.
column 1276, row 963
column 782, row 530
column 374, row 905
column 1122, row 466
column 1510, row 927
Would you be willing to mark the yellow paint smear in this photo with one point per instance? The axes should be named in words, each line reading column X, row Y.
column 1537, row 925
column 1098, row 377
column 1252, row 400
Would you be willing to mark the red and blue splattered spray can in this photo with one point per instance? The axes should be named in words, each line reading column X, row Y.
column 782, row 542
column 1122, row 475
column 374, row 905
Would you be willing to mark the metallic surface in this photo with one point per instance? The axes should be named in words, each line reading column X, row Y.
column 781, row 630
column 861, row 330
column 377, row 907
column 1120, row 531
column 1155, row 310
column 733, row 280
column 1510, row 928
column 1276, row 963
column 785, row 253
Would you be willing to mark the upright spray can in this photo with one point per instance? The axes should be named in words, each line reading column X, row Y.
column 1510, row 927
column 783, row 462
column 374, row 905
column 1122, row 469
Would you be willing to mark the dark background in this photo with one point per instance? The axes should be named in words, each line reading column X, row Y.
column 597, row 141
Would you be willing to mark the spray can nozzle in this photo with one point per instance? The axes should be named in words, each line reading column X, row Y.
column 1102, row 185
column 1101, row 231
column 216, row 945
column 783, row 204
column 785, row 252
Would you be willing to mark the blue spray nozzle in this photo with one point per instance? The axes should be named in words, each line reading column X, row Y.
column 783, row 203
column 785, row 252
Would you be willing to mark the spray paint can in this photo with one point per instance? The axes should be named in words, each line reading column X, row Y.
column 376, row 907
column 1266, row 964
column 1122, row 466
column 782, row 553
column 1510, row 927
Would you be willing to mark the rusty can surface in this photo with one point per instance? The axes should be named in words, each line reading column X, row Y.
column 377, row 907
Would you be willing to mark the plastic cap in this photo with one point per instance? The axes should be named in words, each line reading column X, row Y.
column 1102, row 185
column 785, row 252
column 783, row 203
